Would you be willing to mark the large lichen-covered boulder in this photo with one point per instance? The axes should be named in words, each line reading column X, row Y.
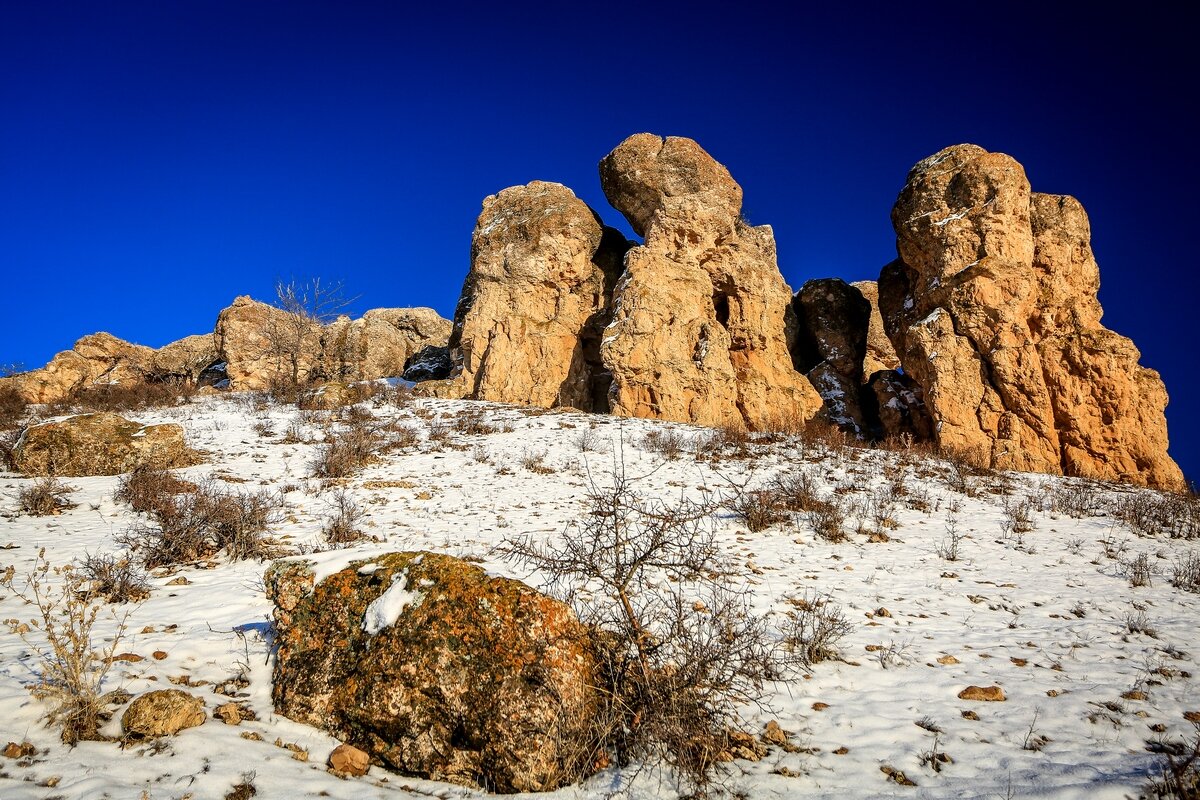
column 536, row 300
column 699, row 329
column 99, row 444
column 378, row 344
column 437, row 669
column 992, row 308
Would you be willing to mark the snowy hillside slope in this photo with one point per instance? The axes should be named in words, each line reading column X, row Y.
column 1095, row 670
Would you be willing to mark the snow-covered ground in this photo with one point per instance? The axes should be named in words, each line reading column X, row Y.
column 1044, row 615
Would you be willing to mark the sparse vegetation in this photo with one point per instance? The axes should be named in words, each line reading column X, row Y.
column 1186, row 572
column 341, row 529
column 348, row 448
column 44, row 497
column 682, row 650
column 116, row 579
column 758, row 509
column 815, row 626
column 62, row 636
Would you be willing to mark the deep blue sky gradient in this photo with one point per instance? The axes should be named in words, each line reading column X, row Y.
column 159, row 158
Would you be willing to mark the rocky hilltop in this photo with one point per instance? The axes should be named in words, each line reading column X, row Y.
column 983, row 338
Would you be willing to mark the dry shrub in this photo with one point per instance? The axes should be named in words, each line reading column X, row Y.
column 44, row 497
column 72, row 665
column 1179, row 772
column 797, row 491
column 759, row 509
column 348, row 449
column 682, row 650
column 197, row 525
column 341, row 529
column 1151, row 513
column 127, row 397
column 814, row 628
column 965, row 469
column 666, row 442
column 12, row 408
column 473, row 422
column 146, row 489
column 828, row 519
column 1186, row 573
column 117, row 580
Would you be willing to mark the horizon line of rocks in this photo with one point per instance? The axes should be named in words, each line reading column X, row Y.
column 983, row 336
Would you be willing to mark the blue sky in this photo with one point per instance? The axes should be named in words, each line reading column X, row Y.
column 159, row 158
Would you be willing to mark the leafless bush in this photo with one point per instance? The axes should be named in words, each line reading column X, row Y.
column 893, row 654
column 797, row 491
column 1075, row 499
column 965, row 470
column 1139, row 570
column 146, row 489
column 681, row 647
column 126, row 397
column 949, row 549
column 588, row 440
column 263, row 427
column 473, row 422
column 1186, row 572
column 1017, row 519
column 535, row 461
column 828, row 519
column 758, row 509
column 12, row 408
column 1178, row 775
column 814, row 628
column 1150, row 513
column 666, row 442
column 198, row 524
column 348, row 449
column 73, row 665
column 1113, row 547
column 1136, row 621
column 44, row 497
column 341, row 529
column 117, row 580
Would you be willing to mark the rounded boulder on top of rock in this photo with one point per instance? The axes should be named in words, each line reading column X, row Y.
column 100, row 444
column 436, row 669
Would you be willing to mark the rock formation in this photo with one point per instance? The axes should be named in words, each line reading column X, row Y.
column 830, row 346
column 698, row 331
column 538, row 295
column 881, row 354
column 102, row 359
column 993, row 311
column 261, row 344
column 164, row 712
column 437, row 669
column 99, row 444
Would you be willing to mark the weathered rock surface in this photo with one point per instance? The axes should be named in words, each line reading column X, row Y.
column 699, row 324
column 262, row 344
column 99, row 444
column 830, row 345
column 895, row 405
column 164, row 712
column 436, row 669
column 100, row 358
column 881, row 354
column 349, row 760
column 992, row 308
column 536, row 300
column 185, row 360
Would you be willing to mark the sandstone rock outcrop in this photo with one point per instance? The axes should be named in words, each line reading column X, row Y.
column 992, row 309
column 894, row 404
column 699, row 323
column 536, row 300
column 830, row 346
column 99, row 444
column 261, row 344
column 436, row 669
column 881, row 354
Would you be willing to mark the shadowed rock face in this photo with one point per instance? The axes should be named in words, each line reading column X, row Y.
column 829, row 347
column 699, row 323
column 536, row 300
column 992, row 309
column 437, row 669
column 881, row 355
